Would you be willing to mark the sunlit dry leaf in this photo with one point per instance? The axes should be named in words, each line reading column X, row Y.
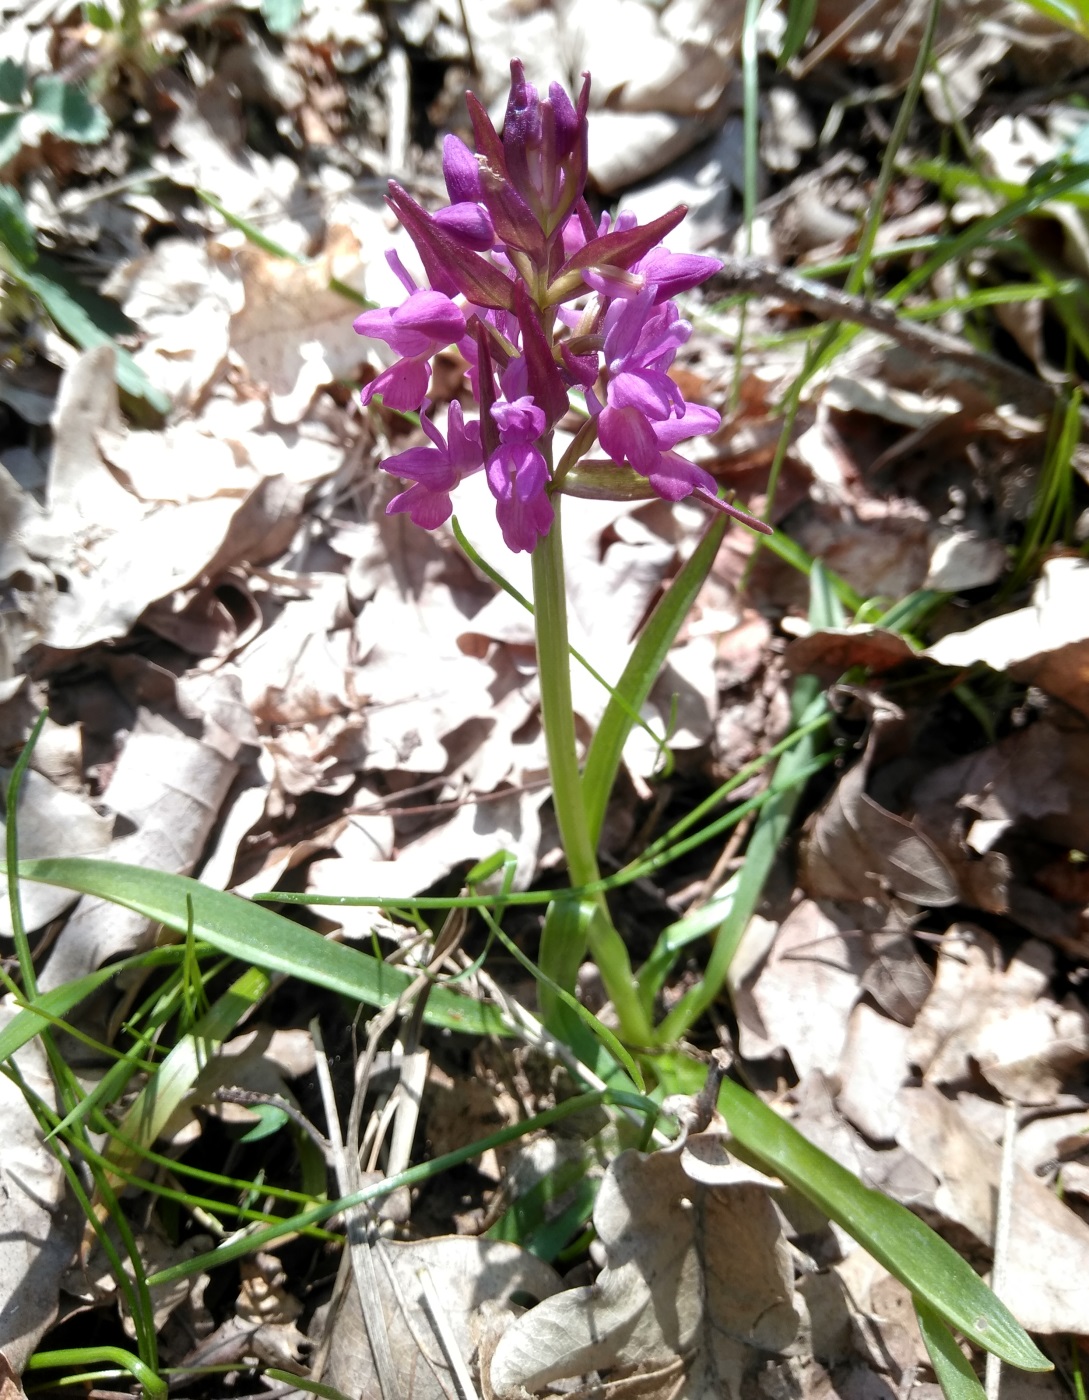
column 1000, row 1020
column 1048, row 1257
column 466, row 1273
column 182, row 299
column 1045, row 644
column 874, row 1065
column 167, row 788
column 51, row 822
column 693, row 1272
column 294, row 334
column 806, row 989
column 894, row 1170
column 37, row 1240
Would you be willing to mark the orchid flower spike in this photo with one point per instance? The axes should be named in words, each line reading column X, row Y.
column 539, row 300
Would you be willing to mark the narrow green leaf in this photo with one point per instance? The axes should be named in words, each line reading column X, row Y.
column 27, row 1023
column 800, row 15
column 68, row 112
column 78, row 314
column 270, row 1120
column 162, row 1095
column 787, row 784
column 952, row 1368
column 16, row 231
column 910, row 1250
column 98, row 15
column 644, row 664
column 12, row 82
column 257, row 935
column 252, row 232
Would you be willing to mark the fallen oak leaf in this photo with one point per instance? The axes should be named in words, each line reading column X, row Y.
column 697, row 1269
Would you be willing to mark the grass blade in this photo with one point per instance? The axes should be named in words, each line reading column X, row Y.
column 909, row 1249
column 257, row 935
column 952, row 1368
column 644, row 664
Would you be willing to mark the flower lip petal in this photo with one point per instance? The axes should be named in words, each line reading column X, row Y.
column 648, row 391
column 403, row 386
column 696, row 420
column 627, row 436
column 673, row 477
column 425, row 508
column 672, row 273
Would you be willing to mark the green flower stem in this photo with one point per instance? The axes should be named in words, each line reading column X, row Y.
column 560, row 957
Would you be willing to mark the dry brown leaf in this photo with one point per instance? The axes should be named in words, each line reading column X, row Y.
column 1033, row 780
column 873, row 1067
column 856, row 849
column 51, row 822
column 694, row 1271
column 10, row 1386
column 893, row 1170
column 1048, row 1257
column 294, row 334
column 466, row 1274
column 1045, row 644
column 999, row 1020
column 37, row 1240
column 829, row 652
column 807, row 987
column 168, row 788
column 182, row 299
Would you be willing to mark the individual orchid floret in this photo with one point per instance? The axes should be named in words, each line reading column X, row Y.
column 518, row 479
column 517, row 471
column 641, row 341
column 465, row 219
column 423, row 324
column 549, row 300
column 435, row 471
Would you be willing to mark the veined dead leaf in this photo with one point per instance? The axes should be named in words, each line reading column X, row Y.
column 697, row 1273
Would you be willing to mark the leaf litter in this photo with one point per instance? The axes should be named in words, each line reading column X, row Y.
column 257, row 676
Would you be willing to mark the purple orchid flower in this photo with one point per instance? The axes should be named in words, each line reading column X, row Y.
column 435, row 471
column 465, row 218
column 517, row 471
column 641, row 341
column 417, row 329
column 538, row 296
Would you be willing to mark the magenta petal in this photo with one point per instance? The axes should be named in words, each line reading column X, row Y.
column 672, row 273
column 460, row 170
column 674, row 478
column 403, row 386
column 627, row 437
column 427, row 509
column 520, row 421
column 613, row 282
column 431, row 314
column 518, row 476
column 470, row 224
column 523, row 523
column 696, row 420
column 644, row 391
column 376, row 324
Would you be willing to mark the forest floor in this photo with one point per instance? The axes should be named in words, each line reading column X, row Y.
column 255, row 676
